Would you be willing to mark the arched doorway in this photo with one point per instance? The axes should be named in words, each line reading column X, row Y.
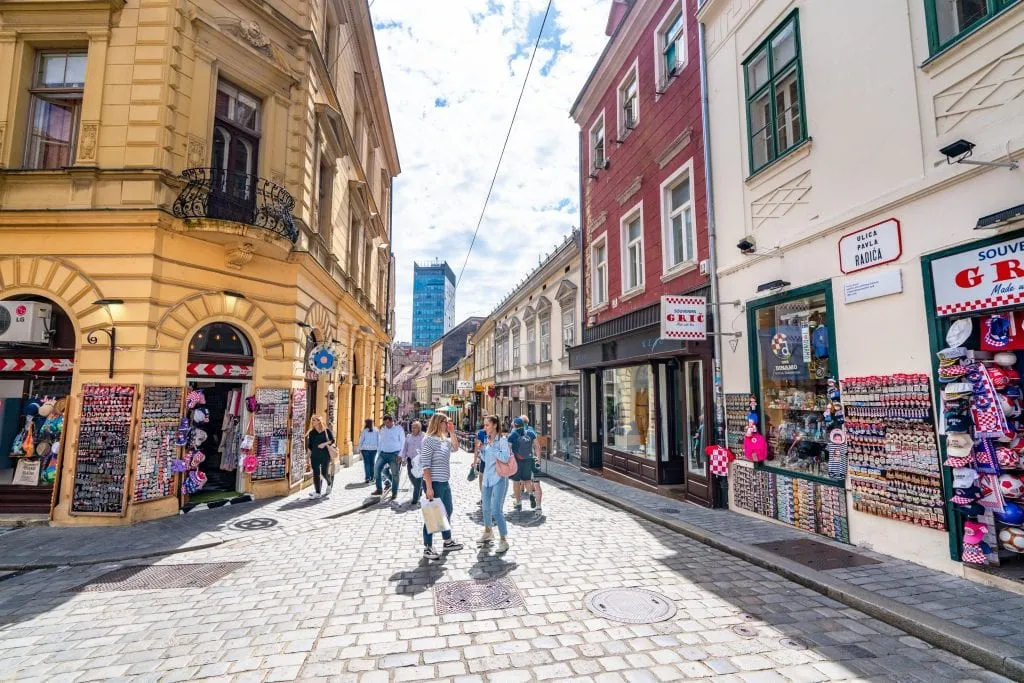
column 37, row 356
column 220, row 360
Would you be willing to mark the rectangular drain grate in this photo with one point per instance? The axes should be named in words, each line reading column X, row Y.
column 471, row 596
column 816, row 555
column 160, row 576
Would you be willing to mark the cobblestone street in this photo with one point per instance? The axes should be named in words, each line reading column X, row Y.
column 349, row 598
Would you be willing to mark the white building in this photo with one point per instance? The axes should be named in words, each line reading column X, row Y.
column 842, row 229
column 533, row 329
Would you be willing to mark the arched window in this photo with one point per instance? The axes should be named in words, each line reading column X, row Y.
column 220, row 342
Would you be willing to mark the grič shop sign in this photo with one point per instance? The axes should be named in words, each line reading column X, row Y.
column 980, row 279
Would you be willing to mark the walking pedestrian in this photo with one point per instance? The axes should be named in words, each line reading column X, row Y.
column 495, row 486
column 391, row 442
column 436, row 455
column 478, row 465
column 369, row 440
column 318, row 438
column 412, row 446
column 523, row 441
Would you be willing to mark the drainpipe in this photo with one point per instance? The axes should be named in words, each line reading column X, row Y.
column 719, row 388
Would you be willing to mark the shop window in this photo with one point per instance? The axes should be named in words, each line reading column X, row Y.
column 693, row 413
column 629, row 410
column 793, row 361
column 775, row 95
column 951, row 20
column 56, row 106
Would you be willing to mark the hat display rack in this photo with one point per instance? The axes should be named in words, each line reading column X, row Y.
column 300, row 459
column 102, row 449
column 158, row 443
column 984, row 429
column 271, row 428
column 893, row 450
column 191, row 435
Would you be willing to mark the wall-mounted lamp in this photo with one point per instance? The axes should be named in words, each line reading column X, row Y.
column 960, row 151
column 773, row 285
column 111, row 333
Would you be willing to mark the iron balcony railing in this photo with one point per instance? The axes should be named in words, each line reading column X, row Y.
column 237, row 197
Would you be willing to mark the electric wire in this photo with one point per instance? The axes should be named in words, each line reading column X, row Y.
column 504, row 146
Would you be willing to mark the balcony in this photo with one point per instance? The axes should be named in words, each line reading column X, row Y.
column 216, row 196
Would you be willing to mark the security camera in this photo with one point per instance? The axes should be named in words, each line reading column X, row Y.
column 746, row 245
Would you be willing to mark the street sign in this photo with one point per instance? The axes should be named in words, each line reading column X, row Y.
column 684, row 317
column 871, row 246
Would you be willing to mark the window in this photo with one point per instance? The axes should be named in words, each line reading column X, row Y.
column 597, row 148
column 670, row 45
column 678, row 236
column 545, row 337
column 775, row 95
column 793, row 364
column 633, row 250
column 56, row 106
column 531, row 342
column 569, row 325
column 950, row 20
column 515, row 346
column 599, row 259
column 629, row 102
column 325, row 181
column 629, row 411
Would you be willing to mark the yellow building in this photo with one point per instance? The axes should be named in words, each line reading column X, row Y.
column 193, row 195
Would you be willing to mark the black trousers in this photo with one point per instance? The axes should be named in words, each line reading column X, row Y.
column 321, row 470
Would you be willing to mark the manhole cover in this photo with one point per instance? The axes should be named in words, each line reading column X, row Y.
column 470, row 596
column 744, row 630
column 253, row 524
column 631, row 605
column 816, row 555
column 155, row 577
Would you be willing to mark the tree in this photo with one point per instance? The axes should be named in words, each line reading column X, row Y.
column 390, row 405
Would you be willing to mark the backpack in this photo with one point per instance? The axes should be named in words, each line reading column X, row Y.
column 524, row 444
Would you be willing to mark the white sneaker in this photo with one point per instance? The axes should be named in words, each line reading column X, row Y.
column 538, row 510
column 314, row 494
column 502, row 547
column 487, row 538
column 327, row 492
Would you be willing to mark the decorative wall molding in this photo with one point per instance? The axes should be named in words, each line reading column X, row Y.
column 988, row 88
column 62, row 281
column 176, row 324
column 675, row 147
column 196, row 155
column 239, row 255
column 88, row 140
column 630, row 191
column 3, row 137
column 599, row 221
column 780, row 201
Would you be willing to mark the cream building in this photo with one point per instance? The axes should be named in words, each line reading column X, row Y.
column 534, row 326
column 483, row 368
column 202, row 193
column 852, row 243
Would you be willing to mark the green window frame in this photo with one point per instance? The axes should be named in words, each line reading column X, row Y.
column 824, row 289
column 973, row 15
column 774, row 82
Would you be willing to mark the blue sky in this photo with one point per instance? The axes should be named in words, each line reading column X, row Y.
column 453, row 76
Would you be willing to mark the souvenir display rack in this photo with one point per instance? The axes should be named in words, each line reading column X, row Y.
column 300, row 459
column 892, row 448
column 104, row 438
column 737, row 406
column 161, row 413
column 271, row 431
column 807, row 505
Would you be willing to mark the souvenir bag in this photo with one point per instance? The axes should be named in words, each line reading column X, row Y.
column 435, row 517
column 719, row 458
column 332, row 449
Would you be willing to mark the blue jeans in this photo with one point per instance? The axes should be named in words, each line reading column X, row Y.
column 389, row 460
column 443, row 492
column 493, row 502
column 417, row 484
column 368, row 457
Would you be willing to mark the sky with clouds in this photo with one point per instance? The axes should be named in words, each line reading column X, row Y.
column 453, row 70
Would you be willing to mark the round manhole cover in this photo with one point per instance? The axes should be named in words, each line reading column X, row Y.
column 631, row 605
column 253, row 524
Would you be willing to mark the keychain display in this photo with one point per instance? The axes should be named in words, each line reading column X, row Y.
column 300, row 459
column 808, row 505
column 101, row 462
column 892, row 448
column 736, row 411
column 271, row 430
column 158, row 443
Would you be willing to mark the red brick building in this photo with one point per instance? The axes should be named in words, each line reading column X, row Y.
column 644, row 224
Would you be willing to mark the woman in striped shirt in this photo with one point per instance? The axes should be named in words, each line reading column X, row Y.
column 435, row 457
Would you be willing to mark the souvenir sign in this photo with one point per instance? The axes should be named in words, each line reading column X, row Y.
column 684, row 317
column 323, row 359
column 980, row 278
column 959, row 332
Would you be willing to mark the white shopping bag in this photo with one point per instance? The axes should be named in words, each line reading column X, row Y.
column 434, row 516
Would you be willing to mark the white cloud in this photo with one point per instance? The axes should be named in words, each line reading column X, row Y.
column 471, row 56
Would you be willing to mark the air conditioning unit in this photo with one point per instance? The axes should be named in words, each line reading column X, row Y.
column 26, row 322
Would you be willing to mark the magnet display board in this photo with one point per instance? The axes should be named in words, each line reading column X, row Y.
column 102, row 452
column 299, row 456
column 161, row 417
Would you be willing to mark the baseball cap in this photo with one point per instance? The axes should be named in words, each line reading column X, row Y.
column 964, row 477
column 518, row 422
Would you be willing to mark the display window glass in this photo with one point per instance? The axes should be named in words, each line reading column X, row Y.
column 629, row 410
column 793, row 362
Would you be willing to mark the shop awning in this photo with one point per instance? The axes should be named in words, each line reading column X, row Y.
column 427, row 411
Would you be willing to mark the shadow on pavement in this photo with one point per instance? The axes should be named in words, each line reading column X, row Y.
column 420, row 579
column 490, row 566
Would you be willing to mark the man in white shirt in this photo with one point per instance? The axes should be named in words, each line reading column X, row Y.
column 392, row 440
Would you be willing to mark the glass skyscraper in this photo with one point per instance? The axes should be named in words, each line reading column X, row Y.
column 433, row 302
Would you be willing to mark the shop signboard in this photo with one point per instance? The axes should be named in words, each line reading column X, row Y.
column 538, row 392
column 464, row 385
column 27, row 473
column 980, row 279
column 866, row 287
column 782, row 351
column 871, row 246
column 684, row 317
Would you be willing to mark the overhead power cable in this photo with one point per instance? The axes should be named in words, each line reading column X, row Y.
column 501, row 156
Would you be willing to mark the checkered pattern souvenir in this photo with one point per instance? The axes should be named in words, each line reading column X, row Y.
column 989, row 419
column 719, row 459
column 973, row 554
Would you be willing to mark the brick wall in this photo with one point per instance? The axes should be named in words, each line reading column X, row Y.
column 646, row 152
